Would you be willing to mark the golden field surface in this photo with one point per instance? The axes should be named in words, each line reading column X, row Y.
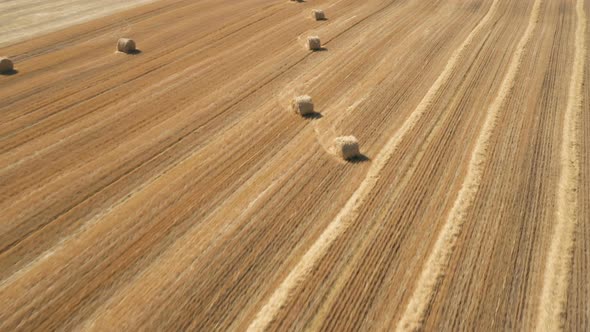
column 174, row 188
column 23, row 19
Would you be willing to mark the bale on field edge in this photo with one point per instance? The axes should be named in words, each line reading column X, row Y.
column 126, row 45
column 318, row 15
column 6, row 65
column 313, row 43
column 303, row 105
column 347, row 147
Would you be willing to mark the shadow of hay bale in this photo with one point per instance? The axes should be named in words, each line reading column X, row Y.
column 359, row 159
column 313, row 116
column 9, row 72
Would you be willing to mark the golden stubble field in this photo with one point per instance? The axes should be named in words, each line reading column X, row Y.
column 175, row 189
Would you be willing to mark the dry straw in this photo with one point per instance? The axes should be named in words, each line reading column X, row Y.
column 347, row 147
column 318, row 14
column 313, row 43
column 303, row 105
column 126, row 45
column 6, row 65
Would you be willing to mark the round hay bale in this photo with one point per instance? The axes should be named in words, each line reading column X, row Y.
column 313, row 43
column 126, row 45
column 347, row 147
column 6, row 65
column 318, row 14
column 303, row 105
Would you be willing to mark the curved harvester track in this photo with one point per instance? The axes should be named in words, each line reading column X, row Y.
column 173, row 189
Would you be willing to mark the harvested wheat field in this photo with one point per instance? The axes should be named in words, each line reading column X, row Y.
column 194, row 179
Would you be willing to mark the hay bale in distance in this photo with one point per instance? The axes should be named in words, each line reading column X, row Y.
column 126, row 45
column 6, row 65
column 347, row 147
column 318, row 14
column 313, row 43
column 303, row 105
